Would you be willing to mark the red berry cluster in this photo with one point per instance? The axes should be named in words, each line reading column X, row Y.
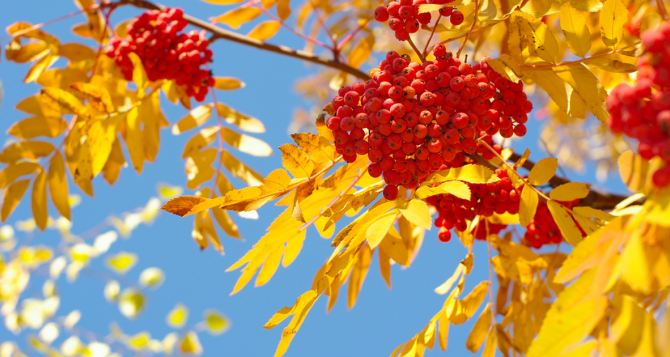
column 643, row 111
column 412, row 119
column 404, row 18
column 166, row 52
column 485, row 200
column 543, row 230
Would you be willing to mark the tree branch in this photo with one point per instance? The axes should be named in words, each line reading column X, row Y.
column 220, row 33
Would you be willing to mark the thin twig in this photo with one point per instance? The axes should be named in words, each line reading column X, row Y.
column 432, row 33
column 220, row 33
column 416, row 49
column 472, row 27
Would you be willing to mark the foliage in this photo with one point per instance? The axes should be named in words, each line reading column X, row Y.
column 602, row 292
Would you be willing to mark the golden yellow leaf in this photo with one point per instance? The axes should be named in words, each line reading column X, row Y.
column 296, row 161
column 636, row 172
column 569, row 191
column 242, row 121
column 122, row 262
column 590, row 251
column 570, row 319
column 528, row 205
column 66, row 100
column 564, row 221
column 27, row 52
column 480, row 330
column 573, row 24
column 238, row 17
column 613, row 17
column 457, row 188
column 240, row 170
column 134, row 140
column 361, row 51
column 245, row 143
column 39, row 200
column 633, row 328
column 101, row 137
column 12, row 197
column 418, row 213
column 98, row 96
column 546, row 44
column 543, row 171
column 378, row 229
column 39, row 67
column 30, row 150
column 457, row 275
column 178, row 316
column 216, row 323
column 195, row 118
column 190, row 344
column 37, row 126
column 265, row 30
column 553, row 85
column 228, row 83
column 283, row 9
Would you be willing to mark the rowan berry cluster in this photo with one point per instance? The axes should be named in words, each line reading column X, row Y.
column 485, row 200
column 165, row 51
column 404, row 16
column 543, row 230
column 412, row 119
column 643, row 110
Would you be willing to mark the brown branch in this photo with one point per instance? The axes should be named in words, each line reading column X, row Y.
column 220, row 33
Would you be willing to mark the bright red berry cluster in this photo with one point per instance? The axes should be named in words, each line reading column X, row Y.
column 485, row 200
column 166, row 52
column 404, row 18
column 643, row 111
column 543, row 230
column 412, row 119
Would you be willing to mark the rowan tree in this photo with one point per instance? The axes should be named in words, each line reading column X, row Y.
column 421, row 105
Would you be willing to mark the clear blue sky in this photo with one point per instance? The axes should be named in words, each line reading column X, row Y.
column 382, row 318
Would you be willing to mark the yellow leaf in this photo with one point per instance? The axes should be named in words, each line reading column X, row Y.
column 30, row 150
column 528, row 206
column 216, row 323
column 573, row 24
column 139, row 341
column 543, row 171
column 37, row 126
column 418, row 213
column 445, row 287
column 553, row 85
column 265, row 30
column 101, row 137
column 134, row 139
column 570, row 319
column 12, row 197
column 238, row 17
column 457, row 188
column 564, row 222
column 480, row 330
column 65, row 100
column 569, row 191
column 378, row 229
column 242, row 121
column 228, row 83
column 195, row 118
column 361, row 51
column 633, row 328
column 151, row 277
column 636, row 172
column 39, row 67
column 284, row 9
column 190, row 344
column 546, row 44
column 590, row 251
column 39, row 200
column 122, row 262
column 240, row 170
column 245, row 143
column 613, row 17
column 178, row 316
column 131, row 303
column 296, row 161
column 657, row 208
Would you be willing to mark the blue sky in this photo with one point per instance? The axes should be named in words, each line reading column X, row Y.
column 382, row 318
